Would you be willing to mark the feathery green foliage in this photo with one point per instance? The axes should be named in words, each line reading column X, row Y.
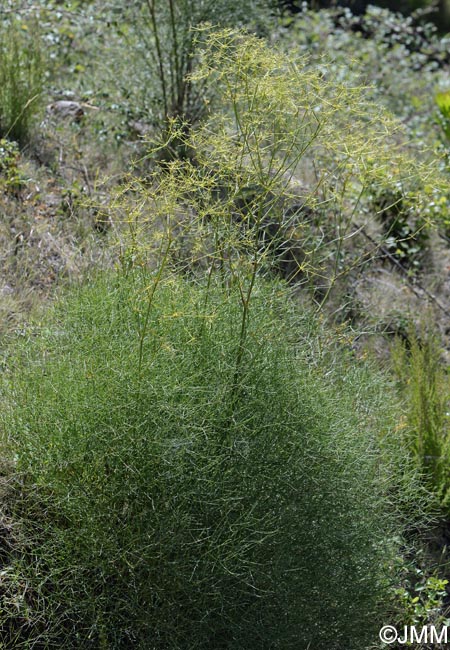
column 425, row 387
column 165, row 508
column 280, row 175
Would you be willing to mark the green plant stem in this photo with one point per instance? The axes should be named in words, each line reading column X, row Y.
column 153, row 288
column 162, row 76
column 176, row 86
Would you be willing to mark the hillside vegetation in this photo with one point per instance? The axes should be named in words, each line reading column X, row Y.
column 224, row 304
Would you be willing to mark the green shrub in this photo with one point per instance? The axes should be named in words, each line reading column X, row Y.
column 21, row 77
column 166, row 509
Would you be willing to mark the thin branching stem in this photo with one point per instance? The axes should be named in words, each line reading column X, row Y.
column 154, row 286
column 162, row 76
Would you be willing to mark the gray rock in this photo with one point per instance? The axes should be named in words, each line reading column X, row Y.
column 66, row 109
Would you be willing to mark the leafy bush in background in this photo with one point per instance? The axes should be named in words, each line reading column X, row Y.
column 160, row 38
column 21, row 77
column 436, row 10
column 165, row 509
column 401, row 62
